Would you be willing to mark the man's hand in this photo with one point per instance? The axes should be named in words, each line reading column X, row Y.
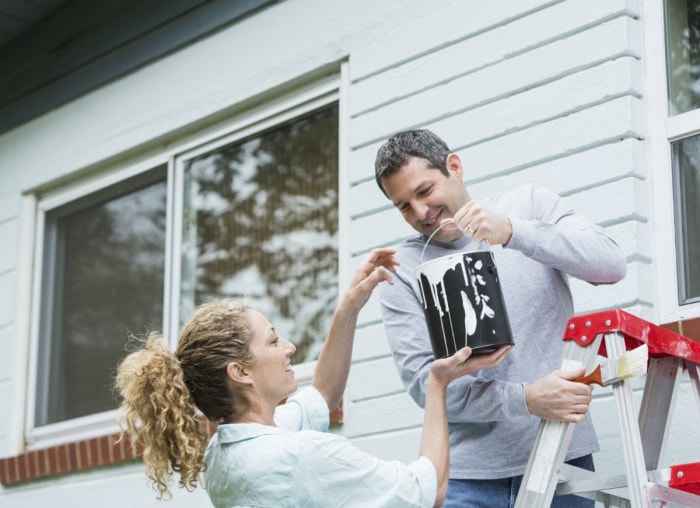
column 556, row 397
column 482, row 224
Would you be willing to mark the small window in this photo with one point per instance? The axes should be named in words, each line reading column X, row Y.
column 686, row 173
column 261, row 222
column 102, row 279
column 683, row 55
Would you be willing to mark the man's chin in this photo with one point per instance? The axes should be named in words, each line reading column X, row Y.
column 446, row 235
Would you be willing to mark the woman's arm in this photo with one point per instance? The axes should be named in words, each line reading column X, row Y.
column 434, row 440
column 333, row 365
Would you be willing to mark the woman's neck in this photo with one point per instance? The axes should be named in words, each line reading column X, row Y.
column 256, row 412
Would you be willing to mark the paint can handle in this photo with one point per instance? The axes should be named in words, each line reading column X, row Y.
column 447, row 221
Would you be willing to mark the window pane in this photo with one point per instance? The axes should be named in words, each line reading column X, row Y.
column 261, row 222
column 686, row 154
column 683, row 55
column 105, row 259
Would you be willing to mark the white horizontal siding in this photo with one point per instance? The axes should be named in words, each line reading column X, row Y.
column 397, row 445
column 106, row 488
column 618, row 119
column 476, row 43
column 584, row 169
column 629, row 291
column 448, row 22
column 373, row 379
column 381, row 414
column 370, row 343
column 633, row 238
column 519, row 74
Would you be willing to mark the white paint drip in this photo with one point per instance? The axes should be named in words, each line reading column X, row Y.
column 435, row 270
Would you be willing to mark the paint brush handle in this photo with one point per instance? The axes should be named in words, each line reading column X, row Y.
column 595, row 376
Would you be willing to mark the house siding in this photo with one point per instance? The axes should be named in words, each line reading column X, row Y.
column 528, row 91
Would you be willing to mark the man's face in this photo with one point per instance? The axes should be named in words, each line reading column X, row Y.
column 425, row 196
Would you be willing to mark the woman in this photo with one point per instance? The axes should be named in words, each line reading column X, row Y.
column 232, row 366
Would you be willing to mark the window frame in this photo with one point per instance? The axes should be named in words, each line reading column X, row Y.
column 89, row 426
column 278, row 110
column 663, row 131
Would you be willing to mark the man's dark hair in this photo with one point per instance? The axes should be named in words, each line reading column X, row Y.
column 402, row 146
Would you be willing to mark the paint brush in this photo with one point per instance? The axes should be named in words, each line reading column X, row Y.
column 630, row 364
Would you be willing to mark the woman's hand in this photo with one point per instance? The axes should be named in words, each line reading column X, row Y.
column 463, row 362
column 334, row 360
column 374, row 269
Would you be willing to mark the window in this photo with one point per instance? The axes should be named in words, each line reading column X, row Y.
column 261, row 222
column 683, row 55
column 673, row 51
column 103, row 266
column 251, row 211
column 686, row 174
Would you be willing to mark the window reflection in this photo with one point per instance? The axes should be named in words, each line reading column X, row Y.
column 683, row 55
column 261, row 222
column 687, row 189
column 106, row 256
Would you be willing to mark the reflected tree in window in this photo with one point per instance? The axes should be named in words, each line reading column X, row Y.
column 261, row 222
column 106, row 255
column 687, row 183
column 683, row 55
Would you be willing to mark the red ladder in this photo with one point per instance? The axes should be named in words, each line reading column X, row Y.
column 611, row 333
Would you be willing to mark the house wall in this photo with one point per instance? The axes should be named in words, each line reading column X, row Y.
column 530, row 91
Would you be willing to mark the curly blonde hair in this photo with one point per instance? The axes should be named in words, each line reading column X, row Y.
column 161, row 391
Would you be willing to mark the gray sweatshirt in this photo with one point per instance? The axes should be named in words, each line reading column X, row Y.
column 491, row 431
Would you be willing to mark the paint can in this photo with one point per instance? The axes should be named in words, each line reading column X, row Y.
column 463, row 303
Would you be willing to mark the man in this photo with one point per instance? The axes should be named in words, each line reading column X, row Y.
column 537, row 242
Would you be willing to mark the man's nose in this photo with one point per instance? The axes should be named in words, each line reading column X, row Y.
column 420, row 210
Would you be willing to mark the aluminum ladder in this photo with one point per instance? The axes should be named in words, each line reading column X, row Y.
column 611, row 333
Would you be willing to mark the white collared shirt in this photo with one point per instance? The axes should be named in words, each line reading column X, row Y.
column 299, row 464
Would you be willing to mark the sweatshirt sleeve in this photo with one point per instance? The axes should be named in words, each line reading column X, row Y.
column 548, row 231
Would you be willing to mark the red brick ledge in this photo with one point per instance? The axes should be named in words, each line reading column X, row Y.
column 66, row 458
column 81, row 455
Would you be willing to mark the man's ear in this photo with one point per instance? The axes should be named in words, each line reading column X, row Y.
column 454, row 164
column 238, row 373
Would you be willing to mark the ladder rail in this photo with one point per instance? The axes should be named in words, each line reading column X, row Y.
column 553, row 438
column 631, row 436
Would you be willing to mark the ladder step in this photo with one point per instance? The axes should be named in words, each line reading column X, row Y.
column 686, row 477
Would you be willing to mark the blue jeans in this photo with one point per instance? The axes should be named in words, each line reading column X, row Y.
column 501, row 493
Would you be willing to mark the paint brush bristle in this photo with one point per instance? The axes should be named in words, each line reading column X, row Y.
column 630, row 364
column 633, row 363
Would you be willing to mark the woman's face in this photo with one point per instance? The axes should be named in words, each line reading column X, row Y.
column 271, row 371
